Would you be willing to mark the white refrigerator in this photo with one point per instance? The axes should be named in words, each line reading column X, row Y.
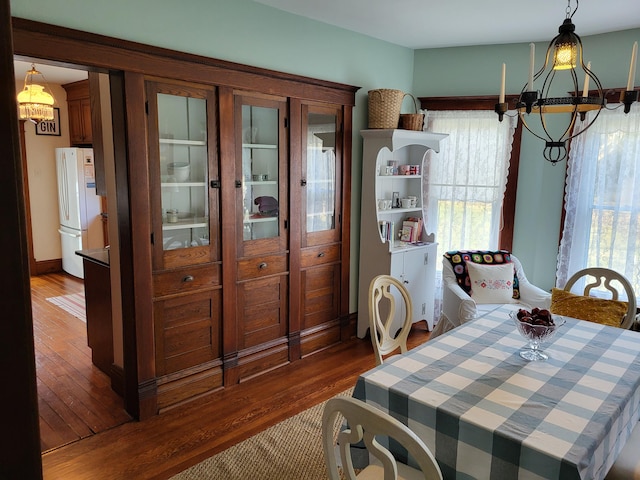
column 79, row 206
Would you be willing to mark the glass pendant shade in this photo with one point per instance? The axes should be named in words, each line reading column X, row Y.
column 565, row 45
column 565, row 56
column 33, row 102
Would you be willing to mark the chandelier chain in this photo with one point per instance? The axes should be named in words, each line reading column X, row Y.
column 568, row 11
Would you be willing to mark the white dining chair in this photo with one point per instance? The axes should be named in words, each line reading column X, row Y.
column 627, row 465
column 388, row 333
column 364, row 423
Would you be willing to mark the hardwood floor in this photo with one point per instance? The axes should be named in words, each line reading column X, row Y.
column 75, row 399
column 169, row 443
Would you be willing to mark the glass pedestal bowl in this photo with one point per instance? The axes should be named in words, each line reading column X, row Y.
column 536, row 335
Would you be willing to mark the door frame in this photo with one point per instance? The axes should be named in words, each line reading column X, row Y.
column 28, row 44
column 20, row 440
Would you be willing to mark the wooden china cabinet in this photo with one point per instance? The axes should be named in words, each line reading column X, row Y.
column 247, row 211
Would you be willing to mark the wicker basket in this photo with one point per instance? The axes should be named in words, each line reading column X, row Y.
column 412, row 121
column 384, row 108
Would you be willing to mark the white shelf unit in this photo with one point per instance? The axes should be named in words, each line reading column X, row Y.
column 412, row 263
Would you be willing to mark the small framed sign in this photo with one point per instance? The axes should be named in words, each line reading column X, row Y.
column 395, row 198
column 50, row 127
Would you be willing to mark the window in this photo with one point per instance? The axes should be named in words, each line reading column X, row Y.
column 602, row 200
column 467, row 181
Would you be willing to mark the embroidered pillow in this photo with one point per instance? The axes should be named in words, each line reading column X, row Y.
column 598, row 310
column 460, row 258
column 491, row 283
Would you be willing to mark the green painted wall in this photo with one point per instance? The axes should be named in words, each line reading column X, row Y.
column 476, row 71
column 250, row 33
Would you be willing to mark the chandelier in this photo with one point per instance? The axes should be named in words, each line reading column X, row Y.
column 34, row 103
column 563, row 58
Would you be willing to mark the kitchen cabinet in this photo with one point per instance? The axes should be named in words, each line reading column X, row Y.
column 393, row 185
column 97, row 290
column 79, row 110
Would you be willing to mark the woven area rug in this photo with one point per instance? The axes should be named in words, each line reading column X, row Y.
column 290, row 450
column 72, row 303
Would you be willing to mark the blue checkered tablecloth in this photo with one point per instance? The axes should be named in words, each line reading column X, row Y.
column 486, row 413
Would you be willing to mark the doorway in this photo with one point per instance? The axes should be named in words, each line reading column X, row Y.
column 75, row 398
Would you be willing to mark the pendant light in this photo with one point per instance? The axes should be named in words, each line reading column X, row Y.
column 564, row 65
column 34, row 102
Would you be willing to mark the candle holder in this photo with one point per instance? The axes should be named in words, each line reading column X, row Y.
column 501, row 109
column 527, row 100
column 628, row 97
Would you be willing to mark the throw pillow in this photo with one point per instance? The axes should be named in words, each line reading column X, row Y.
column 491, row 283
column 460, row 258
column 599, row 310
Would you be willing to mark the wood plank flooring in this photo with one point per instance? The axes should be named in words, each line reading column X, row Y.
column 75, row 399
column 164, row 445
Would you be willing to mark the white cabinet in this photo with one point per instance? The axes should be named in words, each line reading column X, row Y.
column 415, row 268
column 383, row 248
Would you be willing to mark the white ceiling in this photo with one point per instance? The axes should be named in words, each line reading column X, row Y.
column 449, row 23
column 53, row 75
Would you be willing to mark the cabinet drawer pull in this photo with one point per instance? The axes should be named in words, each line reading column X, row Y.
column 262, row 266
column 188, row 278
column 321, row 254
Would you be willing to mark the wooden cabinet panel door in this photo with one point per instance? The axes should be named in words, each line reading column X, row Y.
column 320, row 196
column 262, row 219
column 185, row 239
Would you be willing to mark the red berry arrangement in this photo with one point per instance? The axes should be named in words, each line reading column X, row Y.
column 536, row 324
column 536, row 316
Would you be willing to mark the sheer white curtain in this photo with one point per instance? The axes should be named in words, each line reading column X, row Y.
column 466, row 182
column 602, row 199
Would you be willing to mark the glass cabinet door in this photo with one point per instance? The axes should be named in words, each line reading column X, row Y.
column 182, row 163
column 321, row 173
column 264, row 203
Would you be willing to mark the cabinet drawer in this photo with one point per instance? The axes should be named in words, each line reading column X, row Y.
column 320, row 255
column 185, row 280
column 261, row 266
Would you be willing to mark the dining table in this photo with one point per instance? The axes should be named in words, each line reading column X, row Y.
column 487, row 413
